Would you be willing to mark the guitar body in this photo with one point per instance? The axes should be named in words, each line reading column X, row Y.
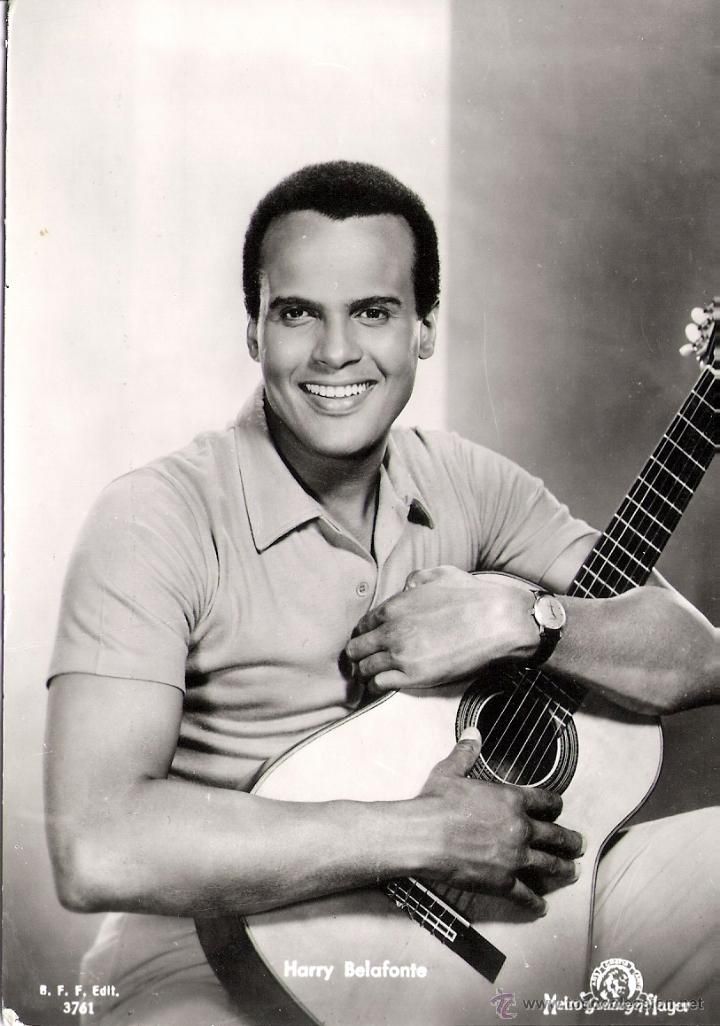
column 386, row 752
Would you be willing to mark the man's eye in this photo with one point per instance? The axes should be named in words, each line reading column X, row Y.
column 374, row 313
column 292, row 314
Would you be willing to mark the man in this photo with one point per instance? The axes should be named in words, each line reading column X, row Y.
column 229, row 600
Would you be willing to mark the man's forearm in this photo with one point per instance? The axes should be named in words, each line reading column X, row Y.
column 647, row 649
column 173, row 848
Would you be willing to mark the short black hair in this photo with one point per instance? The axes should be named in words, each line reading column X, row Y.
column 340, row 189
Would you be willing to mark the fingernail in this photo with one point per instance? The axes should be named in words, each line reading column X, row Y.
column 577, row 871
column 470, row 734
column 544, row 910
column 583, row 844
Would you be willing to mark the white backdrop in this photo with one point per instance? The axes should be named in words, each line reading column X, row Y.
column 140, row 135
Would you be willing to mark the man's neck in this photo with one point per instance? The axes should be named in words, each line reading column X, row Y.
column 346, row 487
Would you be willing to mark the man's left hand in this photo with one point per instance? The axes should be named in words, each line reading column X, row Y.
column 445, row 625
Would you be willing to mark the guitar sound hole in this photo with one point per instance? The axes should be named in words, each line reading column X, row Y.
column 528, row 738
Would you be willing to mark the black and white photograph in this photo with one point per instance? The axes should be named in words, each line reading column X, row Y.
column 361, row 380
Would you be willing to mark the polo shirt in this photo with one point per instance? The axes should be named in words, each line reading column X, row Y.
column 212, row 570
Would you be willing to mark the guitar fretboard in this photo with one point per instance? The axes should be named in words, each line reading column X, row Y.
column 637, row 534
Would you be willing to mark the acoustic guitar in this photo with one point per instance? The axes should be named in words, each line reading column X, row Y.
column 410, row 952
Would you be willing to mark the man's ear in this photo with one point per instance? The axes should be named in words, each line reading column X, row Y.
column 252, row 340
column 428, row 332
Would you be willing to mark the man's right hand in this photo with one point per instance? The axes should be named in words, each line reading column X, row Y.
column 496, row 838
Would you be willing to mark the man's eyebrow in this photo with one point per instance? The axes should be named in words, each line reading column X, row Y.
column 279, row 301
column 363, row 304
column 353, row 307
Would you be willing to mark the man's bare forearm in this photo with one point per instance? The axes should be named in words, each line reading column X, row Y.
column 174, row 848
column 125, row 837
column 647, row 649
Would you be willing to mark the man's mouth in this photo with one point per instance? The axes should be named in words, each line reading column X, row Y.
column 337, row 391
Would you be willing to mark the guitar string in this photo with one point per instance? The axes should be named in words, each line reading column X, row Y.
column 606, row 581
column 652, row 504
column 533, row 712
column 610, row 541
column 559, row 714
column 662, row 456
column 612, row 580
column 660, row 463
column 689, row 430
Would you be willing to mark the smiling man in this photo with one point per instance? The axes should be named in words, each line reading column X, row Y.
column 225, row 602
column 338, row 337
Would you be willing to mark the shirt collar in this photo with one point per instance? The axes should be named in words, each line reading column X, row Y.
column 277, row 503
column 404, row 486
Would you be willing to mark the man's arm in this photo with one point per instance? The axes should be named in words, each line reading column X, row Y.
column 125, row 837
column 647, row 649
column 686, row 676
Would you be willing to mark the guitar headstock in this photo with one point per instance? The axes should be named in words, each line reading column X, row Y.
column 702, row 336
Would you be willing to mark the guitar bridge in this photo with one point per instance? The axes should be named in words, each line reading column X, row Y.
column 451, row 928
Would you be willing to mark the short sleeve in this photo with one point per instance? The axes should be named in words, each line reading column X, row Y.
column 138, row 581
column 523, row 528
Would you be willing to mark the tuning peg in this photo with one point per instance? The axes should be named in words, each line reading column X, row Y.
column 698, row 314
column 692, row 333
column 687, row 350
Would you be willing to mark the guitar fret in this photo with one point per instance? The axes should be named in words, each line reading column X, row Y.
column 697, row 449
column 660, row 494
column 705, row 402
column 587, row 570
column 626, row 523
column 695, row 427
column 654, row 459
column 599, row 555
column 684, row 452
column 582, row 587
column 627, row 553
column 629, row 498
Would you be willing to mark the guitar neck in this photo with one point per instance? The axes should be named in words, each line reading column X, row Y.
column 637, row 534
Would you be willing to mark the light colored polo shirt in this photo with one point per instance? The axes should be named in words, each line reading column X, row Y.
column 212, row 570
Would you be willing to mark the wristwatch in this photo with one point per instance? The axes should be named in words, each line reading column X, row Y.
column 549, row 614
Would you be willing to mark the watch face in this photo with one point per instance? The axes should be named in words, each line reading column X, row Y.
column 550, row 612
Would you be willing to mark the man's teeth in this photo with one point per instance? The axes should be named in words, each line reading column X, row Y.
column 338, row 391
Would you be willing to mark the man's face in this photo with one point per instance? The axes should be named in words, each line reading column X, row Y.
column 338, row 337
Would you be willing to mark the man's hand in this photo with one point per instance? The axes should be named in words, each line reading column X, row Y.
column 445, row 625
column 496, row 838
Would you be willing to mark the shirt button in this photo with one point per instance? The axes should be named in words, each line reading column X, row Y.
column 363, row 588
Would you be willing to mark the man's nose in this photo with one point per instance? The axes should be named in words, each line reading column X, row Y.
column 336, row 345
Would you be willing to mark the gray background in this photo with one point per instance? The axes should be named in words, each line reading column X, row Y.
column 566, row 151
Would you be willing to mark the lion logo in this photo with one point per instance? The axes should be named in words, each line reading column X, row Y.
column 616, row 980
